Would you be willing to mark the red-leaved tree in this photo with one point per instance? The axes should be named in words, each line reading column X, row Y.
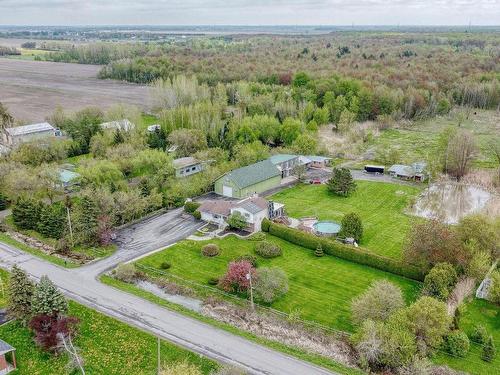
column 235, row 279
column 49, row 328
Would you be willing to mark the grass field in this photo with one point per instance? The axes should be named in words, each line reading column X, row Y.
column 380, row 205
column 3, row 288
column 107, row 346
column 321, row 289
column 477, row 312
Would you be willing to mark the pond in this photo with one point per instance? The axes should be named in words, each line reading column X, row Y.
column 450, row 202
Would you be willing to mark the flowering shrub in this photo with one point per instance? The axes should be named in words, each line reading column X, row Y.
column 235, row 279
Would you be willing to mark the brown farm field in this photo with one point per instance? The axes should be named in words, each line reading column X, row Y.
column 33, row 89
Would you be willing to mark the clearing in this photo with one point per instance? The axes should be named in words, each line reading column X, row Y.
column 321, row 289
column 380, row 205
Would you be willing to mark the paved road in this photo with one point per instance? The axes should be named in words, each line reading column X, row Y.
column 82, row 285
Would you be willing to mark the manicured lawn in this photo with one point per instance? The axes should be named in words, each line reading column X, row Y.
column 380, row 205
column 477, row 312
column 107, row 346
column 321, row 289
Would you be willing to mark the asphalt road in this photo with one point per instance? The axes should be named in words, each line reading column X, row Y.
column 81, row 284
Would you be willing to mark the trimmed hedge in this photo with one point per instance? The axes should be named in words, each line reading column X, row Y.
column 335, row 248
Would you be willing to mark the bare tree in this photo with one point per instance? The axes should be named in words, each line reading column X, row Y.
column 460, row 154
column 75, row 360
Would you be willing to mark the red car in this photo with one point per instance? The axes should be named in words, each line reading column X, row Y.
column 315, row 181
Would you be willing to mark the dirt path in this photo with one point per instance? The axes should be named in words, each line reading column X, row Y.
column 33, row 89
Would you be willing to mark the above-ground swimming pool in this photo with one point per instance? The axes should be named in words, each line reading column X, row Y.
column 327, row 228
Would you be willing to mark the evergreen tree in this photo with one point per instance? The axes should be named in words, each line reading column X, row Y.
column 47, row 299
column 26, row 213
column 85, row 222
column 319, row 251
column 20, row 292
column 489, row 350
column 341, row 182
column 52, row 221
column 351, row 227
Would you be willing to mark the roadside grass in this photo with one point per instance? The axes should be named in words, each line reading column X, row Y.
column 107, row 346
column 292, row 351
column 29, row 54
column 477, row 312
column 4, row 278
column 320, row 289
column 380, row 205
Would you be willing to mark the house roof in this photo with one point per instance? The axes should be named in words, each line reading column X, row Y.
column 184, row 162
column 124, row 125
column 5, row 348
column 67, row 176
column 317, row 158
column 281, row 158
column 253, row 204
column 30, row 129
column 219, row 207
column 402, row 170
column 253, row 174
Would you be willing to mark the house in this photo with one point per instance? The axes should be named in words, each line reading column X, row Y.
column 68, row 178
column 123, row 125
column 254, row 209
column 416, row 171
column 285, row 163
column 246, row 181
column 187, row 166
column 7, row 358
column 154, row 128
column 315, row 162
column 21, row 134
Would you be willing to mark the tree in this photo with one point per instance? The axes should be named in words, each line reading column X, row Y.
column 290, row 130
column 319, row 250
column 378, row 303
column 52, row 222
column 26, row 213
column 47, row 299
column 236, row 221
column 188, row 141
column 300, row 79
column 20, row 293
column 460, row 153
column 305, row 144
column 6, row 119
column 3, row 201
column 270, row 284
column 50, row 329
column 346, row 120
column 351, row 227
column 440, row 281
column 489, row 350
column 249, row 153
column 341, row 183
column 85, row 220
column 494, row 291
column 457, row 344
column 235, row 279
column 481, row 230
column 300, row 171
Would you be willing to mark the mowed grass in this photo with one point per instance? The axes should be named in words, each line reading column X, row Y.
column 4, row 277
column 321, row 289
column 477, row 312
column 380, row 205
column 107, row 346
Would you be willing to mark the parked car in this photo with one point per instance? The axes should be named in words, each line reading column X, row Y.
column 315, row 181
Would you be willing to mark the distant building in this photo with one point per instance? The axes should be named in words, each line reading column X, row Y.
column 153, row 128
column 68, row 178
column 416, row 171
column 315, row 162
column 7, row 358
column 21, row 134
column 285, row 163
column 123, row 125
column 244, row 182
column 187, row 166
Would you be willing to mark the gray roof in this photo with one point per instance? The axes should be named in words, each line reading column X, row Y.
column 254, row 205
column 30, row 129
column 185, row 162
column 5, row 348
column 402, row 170
column 281, row 158
column 253, row 174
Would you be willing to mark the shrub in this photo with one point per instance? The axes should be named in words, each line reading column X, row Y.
column 440, row 281
column 62, row 246
column 213, row 281
column 49, row 328
column 210, row 250
column 494, row 292
column 351, row 227
column 341, row 183
column 126, row 272
column 259, row 236
column 3, row 201
column 489, row 350
column 378, row 303
column 235, row 279
column 197, row 215
column 165, row 265
column 270, row 284
column 319, row 251
column 249, row 258
column 265, row 225
column 457, row 344
column 191, row 207
column 268, row 249
column 480, row 334
column 236, row 221
column 335, row 248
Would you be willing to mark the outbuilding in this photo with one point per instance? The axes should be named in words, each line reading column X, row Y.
column 187, row 166
column 7, row 358
column 27, row 133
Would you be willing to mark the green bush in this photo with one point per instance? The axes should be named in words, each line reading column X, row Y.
column 165, row 265
column 210, row 250
column 489, row 350
column 249, row 258
column 3, row 201
column 259, row 236
column 353, row 254
column 265, row 225
column 267, row 249
column 191, row 207
column 457, row 344
column 197, row 215
column 480, row 334
column 440, row 281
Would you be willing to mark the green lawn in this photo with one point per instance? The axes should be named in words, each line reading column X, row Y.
column 3, row 288
column 380, row 205
column 107, row 346
column 477, row 312
column 320, row 288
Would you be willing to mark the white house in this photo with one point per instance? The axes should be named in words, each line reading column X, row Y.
column 187, row 166
column 216, row 211
column 123, row 125
column 21, row 134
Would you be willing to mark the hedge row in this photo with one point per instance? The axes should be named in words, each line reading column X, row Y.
column 335, row 248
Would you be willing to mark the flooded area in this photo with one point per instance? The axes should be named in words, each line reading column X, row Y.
column 450, row 202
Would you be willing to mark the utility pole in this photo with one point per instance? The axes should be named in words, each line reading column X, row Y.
column 67, row 203
column 249, row 278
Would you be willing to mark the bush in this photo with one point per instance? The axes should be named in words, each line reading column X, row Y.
column 3, row 201
column 270, row 284
column 249, row 258
column 235, row 279
column 236, row 221
column 267, row 249
column 62, row 246
column 165, row 265
column 259, row 236
column 126, row 272
column 197, row 215
column 489, row 350
column 440, row 281
column 210, row 250
column 457, row 344
column 351, row 227
column 480, row 334
column 265, row 225
column 494, row 292
column 319, row 251
column 335, row 248
column 213, row 281
column 191, row 207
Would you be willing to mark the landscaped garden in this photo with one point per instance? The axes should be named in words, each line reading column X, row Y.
column 381, row 207
column 320, row 288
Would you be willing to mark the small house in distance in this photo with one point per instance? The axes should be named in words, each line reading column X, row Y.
column 285, row 163
column 7, row 358
column 315, row 162
column 244, row 182
column 415, row 172
column 187, row 166
column 123, row 125
column 21, row 134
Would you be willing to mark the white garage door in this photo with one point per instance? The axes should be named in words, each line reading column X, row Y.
column 227, row 191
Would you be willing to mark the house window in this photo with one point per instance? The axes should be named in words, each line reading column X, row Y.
column 194, row 168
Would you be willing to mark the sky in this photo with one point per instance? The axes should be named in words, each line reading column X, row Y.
column 249, row 12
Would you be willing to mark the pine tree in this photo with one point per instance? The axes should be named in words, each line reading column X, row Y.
column 85, row 221
column 489, row 350
column 52, row 221
column 20, row 292
column 341, row 183
column 26, row 213
column 319, row 251
column 47, row 299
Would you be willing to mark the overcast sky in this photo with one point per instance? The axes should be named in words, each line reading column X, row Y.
column 249, row 12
